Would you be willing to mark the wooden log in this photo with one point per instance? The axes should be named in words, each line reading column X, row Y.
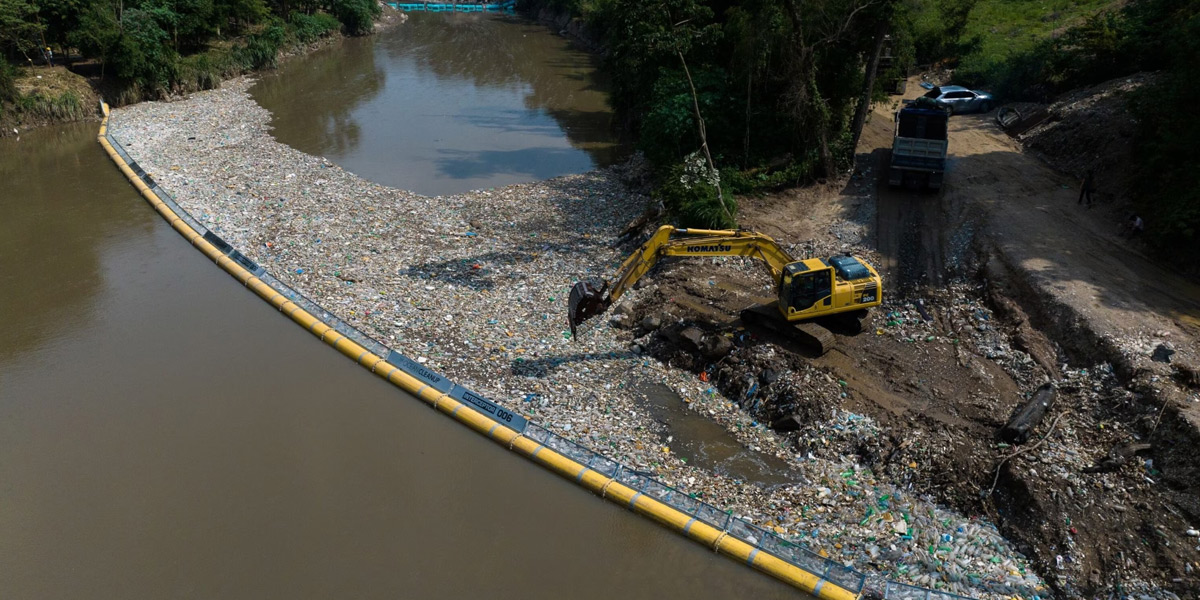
column 1021, row 425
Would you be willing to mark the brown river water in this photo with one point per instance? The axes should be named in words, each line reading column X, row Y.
column 447, row 103
column 164, row 433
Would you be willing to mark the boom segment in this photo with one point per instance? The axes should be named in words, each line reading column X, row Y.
column 807, row 289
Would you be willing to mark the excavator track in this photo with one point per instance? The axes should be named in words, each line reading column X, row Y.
column 809, row 334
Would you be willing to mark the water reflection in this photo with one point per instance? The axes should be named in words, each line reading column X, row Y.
column 446, row 103
column 325, row 94
column 164, row 433
column 48, row 224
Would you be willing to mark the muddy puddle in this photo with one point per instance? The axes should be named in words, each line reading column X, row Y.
column 707, row 445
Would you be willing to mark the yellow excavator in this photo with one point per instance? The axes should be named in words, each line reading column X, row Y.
column 807, row 290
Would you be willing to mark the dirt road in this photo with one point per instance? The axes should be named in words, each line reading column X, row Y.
column 1030, row 211
column 995, row 285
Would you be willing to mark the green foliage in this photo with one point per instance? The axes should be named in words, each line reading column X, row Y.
column 235, row 16
column 261, row 49
column 60, row 18
column 694, row 202
column 1003, row 28
column 141, row 54
column 310, row 28
column 8, row 86
column 64, row 107
column 19, row 30
column 774, row 80
column 669, row 128
column 357, row 16
column 645, row 42
column 766, row 178
column 204, row 71
column 193, row 24
column 936, row 28
column 1089, row 53
column 1014, row 48
column 1021, row 52
column 153, row 47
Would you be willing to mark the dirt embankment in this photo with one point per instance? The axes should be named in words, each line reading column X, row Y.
column 1089, row 128
column 996, row 286
column 48, row 95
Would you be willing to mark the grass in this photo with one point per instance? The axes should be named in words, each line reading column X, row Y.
column 66, row 106
column 1004, row 28
column 50, row 82
column 206, row 70
column 47, row 94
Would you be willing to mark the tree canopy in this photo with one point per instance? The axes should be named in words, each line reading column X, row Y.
column 767, row 87
column 154, row 46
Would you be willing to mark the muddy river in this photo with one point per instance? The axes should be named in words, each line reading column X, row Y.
column 164, row 433
column 447, row 103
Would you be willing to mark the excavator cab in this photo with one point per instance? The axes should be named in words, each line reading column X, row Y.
column 808, row 289
column 816, row 286
column 803, row 289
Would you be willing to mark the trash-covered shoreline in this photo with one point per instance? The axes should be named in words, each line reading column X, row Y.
column 474, row 285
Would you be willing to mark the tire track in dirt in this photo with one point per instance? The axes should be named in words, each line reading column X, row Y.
column 909, row 235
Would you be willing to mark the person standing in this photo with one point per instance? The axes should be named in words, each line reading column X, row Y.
column 1136, row 226
column 1089, row 186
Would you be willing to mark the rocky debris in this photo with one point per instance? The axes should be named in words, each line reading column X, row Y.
column 1047, row 493
column 1117, row 457
column 474, row 285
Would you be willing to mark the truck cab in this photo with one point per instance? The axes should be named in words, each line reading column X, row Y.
column 919, row 147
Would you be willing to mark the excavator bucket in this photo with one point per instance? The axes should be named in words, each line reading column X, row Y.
column 584, row 303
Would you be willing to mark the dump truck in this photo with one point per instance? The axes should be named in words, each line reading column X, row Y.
column 919, row 148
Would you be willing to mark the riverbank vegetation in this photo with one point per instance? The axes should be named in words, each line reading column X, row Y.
column 144, row 49
column 760, row 93
column 768, row 93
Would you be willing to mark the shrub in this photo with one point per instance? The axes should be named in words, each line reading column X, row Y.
column 261, row 49
column 763, row 179
column 691, row 196
column 310, row 28
column 64, row 107
column 8, row 85
column 357, row 16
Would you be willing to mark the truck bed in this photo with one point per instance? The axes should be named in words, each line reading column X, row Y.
column 919, row 154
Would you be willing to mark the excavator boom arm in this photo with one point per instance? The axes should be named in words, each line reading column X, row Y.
column 587, row 301
column 669, row 241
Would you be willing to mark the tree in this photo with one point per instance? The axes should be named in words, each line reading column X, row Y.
column 754, row 29
column 234, row 15
column 824, row 62
column 357, row 16
column 140, row 53
column 19, row 30
column 60, row 18
column 864, row 103
column 97, row 31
